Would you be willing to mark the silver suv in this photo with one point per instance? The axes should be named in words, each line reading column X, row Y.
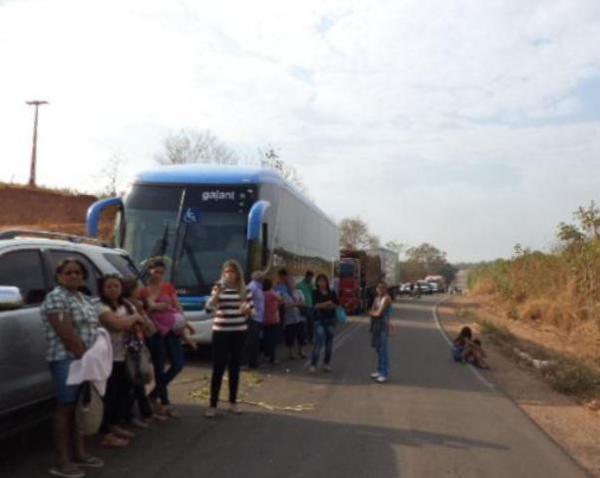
column 27, row 263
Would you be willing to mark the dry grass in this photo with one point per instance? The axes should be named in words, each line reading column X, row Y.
column 569, row 371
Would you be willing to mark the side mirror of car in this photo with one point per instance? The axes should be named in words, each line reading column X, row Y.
column 10, row 298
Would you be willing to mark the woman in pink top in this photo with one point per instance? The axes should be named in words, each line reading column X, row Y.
column 272, row 323
column 163, row 307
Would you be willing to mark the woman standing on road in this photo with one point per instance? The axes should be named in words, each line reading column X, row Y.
column 70, row 323
column 325, row 304
column 119, row 317
column 380, row 332
column 163, row 308
column 233, row 304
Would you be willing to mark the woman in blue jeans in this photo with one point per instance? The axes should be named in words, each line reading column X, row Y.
column 380, row 332
column 325, row 303
column 70, row 323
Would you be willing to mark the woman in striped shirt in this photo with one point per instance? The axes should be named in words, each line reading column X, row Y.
column 233, row 304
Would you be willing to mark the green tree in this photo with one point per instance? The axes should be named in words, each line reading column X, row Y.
column 355, row 234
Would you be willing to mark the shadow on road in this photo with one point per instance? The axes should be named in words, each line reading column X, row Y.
column 257, row 444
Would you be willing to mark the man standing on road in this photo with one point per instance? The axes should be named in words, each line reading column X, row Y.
column 308, row 290
column 255, row 324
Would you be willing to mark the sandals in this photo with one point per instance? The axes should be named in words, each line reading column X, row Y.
column 67, row 471
column 113, row 441
column 90, row 462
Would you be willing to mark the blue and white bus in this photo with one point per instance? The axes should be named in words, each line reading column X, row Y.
column 198, row 216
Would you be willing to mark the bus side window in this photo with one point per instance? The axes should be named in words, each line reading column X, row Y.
column 265, row 244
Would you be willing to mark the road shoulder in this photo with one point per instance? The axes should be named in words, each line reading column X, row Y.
column 575, row 428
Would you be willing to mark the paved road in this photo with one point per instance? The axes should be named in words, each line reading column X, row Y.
column 434, row 419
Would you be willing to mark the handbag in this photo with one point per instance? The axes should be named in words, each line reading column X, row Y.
column 179, row 323
column 340, row 315
column 89, row 410
column 138, row 362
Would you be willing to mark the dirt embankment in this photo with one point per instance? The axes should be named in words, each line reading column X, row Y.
column 46, row 209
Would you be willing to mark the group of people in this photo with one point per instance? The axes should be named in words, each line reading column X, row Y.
column 137, row 319
column 147, row 321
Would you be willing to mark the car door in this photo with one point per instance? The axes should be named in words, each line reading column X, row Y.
column 24, row 375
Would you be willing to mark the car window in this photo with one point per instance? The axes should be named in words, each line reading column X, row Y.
column 91, row 284
column 123, row 264
column 23, row 269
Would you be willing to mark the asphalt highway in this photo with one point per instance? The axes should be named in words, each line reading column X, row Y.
column 433, row 419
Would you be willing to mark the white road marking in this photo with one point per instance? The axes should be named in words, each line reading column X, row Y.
column 478, row 375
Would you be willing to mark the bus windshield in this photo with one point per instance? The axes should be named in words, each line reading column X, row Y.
column 196, row 227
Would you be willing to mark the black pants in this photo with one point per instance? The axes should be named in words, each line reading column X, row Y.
column 227, row 354
column 252, row 343
column 270, row 338
column 139, row 396
column 295, row 334
column 117, row 397
column 162, row 349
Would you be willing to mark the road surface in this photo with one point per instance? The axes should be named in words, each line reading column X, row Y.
column 434, row 419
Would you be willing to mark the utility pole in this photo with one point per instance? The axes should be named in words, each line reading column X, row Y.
column 37, row 104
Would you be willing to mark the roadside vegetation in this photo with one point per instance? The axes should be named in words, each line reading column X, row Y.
column 557, row 291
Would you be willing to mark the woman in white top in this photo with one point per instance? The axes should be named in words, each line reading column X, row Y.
column 233, row 304
column 119, row 317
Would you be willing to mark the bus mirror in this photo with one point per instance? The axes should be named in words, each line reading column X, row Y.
column 94, row 213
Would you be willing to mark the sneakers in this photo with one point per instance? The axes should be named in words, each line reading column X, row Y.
column 211, row 412
column 381, row 379
column 90, row 462
column 235, row 409
column 327, row 368
column 67, row 471
column 312, row 369
column 375, row 375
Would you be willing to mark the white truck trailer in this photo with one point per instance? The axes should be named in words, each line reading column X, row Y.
column 389, row 268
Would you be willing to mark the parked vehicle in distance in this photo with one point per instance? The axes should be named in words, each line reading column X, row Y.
column 28, row 260
column 389, row 268
column 434, row 287
column 438, row 280
column 405, row 288
column 359, row 276
column 424, row 287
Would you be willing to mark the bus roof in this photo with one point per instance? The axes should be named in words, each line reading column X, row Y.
column 221, row 174
column 208, row 174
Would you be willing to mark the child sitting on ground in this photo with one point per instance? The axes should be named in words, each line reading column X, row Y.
column 475, row 355
column 460, row 344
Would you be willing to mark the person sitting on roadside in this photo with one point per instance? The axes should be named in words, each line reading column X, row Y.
column 71, row 326
column 119, row 317
column 475, row 355
column 460, row 344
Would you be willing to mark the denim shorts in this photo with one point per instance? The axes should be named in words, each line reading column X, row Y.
column 65, row 394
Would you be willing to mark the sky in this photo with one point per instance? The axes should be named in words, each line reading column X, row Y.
column 472, row 125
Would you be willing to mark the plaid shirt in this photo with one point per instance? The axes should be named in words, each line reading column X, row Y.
column 84, row 317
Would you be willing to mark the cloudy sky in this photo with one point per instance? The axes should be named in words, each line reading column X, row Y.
column 473, row 125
